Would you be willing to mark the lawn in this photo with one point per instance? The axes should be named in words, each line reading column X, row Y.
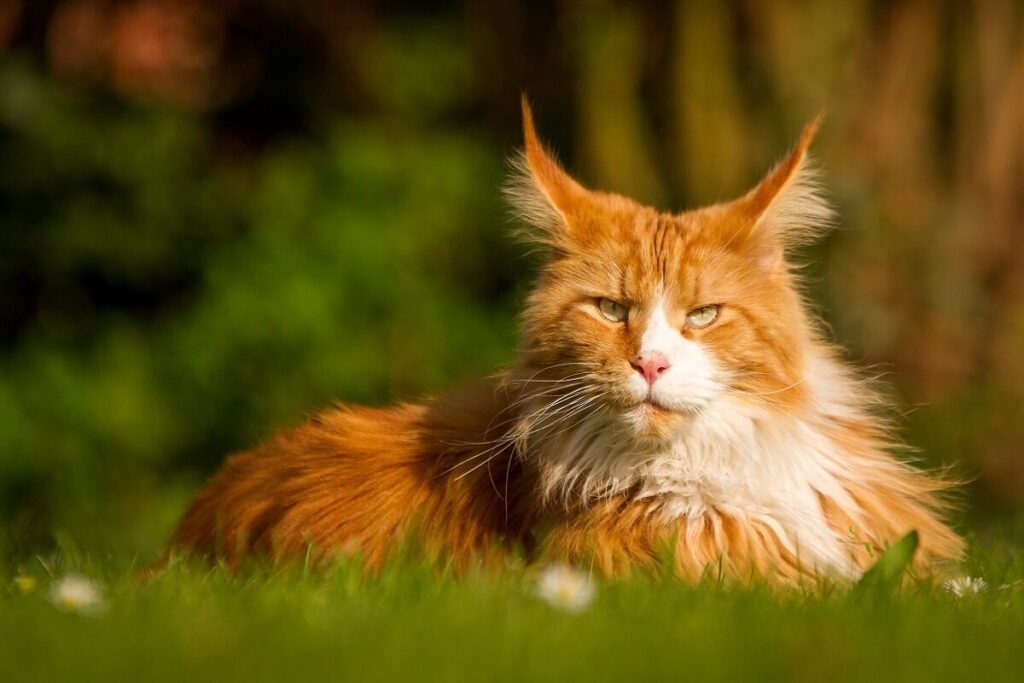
column 410, row 623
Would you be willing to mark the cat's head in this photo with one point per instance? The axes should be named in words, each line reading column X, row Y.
column 655, row 316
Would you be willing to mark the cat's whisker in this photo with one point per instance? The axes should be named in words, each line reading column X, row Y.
column 491, row 426
column 573, row 385
column 579, row 405
column 558, row 406
column 495, row 448
column 508, row 439
column 552, row 410
column 545, row 391
column 570, row 380
column 554, row 380
column 547, row 368
column 474, row 468
column 545, row 381
column 769, row 393
column 508, row 472
column 573, row 389
column 548, row 417
column 585, row 414
column 549, row 405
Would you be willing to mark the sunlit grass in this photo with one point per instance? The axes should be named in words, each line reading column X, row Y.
column 412, row 623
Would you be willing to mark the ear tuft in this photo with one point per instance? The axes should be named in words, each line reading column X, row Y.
column 541, row 221
column 788, row 207
column 541, row 194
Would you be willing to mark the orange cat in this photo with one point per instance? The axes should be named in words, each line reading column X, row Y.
column 672, row 390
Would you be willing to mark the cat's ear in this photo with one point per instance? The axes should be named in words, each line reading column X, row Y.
column 543, row 195
column 786, row 208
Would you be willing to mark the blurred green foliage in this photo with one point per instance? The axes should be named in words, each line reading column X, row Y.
column 170, row 308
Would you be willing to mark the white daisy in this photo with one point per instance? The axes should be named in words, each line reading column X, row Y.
column 566, row 588
column 963, row 586
column 74, row 593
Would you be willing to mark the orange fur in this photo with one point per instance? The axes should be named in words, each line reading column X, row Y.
column 479, row 473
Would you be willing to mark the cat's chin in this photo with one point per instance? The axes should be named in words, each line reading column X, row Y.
column 653, row 421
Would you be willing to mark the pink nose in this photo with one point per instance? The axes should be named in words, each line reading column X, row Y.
column 651, row 366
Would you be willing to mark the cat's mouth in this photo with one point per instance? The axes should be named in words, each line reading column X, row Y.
column 654, row 422
column 651, row 406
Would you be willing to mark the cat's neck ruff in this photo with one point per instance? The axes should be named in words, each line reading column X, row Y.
column 734, row 460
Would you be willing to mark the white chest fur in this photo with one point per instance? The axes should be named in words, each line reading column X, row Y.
column 732, row 462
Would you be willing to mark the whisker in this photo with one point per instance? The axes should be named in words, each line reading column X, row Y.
column 520, row 401
column 507, row 439
column 573, row 390
column 546, row 417
column 508, row 470
column 769, row 393
column 476, row 456
column 585, row 415
column 546, row 368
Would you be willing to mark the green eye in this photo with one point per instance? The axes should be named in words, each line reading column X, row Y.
column 613, row 310
column 703, row 316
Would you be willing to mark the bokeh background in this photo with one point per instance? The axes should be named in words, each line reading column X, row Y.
column 216, row 216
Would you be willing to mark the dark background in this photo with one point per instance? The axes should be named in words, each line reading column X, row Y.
column 217, row 216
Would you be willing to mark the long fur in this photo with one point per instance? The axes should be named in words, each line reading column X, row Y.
column 781, row 468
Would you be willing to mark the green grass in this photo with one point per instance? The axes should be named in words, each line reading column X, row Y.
column 410, row 624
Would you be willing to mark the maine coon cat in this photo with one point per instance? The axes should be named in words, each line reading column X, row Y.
column 671, row 390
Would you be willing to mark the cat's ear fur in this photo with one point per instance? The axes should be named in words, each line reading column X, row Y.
column 546, row 198
column 786, row 208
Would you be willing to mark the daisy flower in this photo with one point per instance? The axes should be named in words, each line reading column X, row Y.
column 565, row 588
column 77, row 594
column 963, row 586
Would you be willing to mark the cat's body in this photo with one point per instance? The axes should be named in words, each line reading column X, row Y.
column 671, row 394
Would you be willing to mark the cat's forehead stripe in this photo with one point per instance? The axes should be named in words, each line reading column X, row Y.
column 661, row 229
column 660, row 267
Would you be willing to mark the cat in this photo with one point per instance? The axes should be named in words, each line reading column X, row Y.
column 673, row 400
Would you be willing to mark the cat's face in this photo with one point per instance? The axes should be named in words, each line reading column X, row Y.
column 654, row 317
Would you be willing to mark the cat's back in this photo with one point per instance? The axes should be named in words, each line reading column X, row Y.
column 311, row 486
column 355, row 479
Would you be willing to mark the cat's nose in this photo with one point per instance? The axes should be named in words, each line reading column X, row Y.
column 651, row 365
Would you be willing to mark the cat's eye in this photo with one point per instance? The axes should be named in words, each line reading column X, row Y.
column 613, row 310
column 703, row 316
